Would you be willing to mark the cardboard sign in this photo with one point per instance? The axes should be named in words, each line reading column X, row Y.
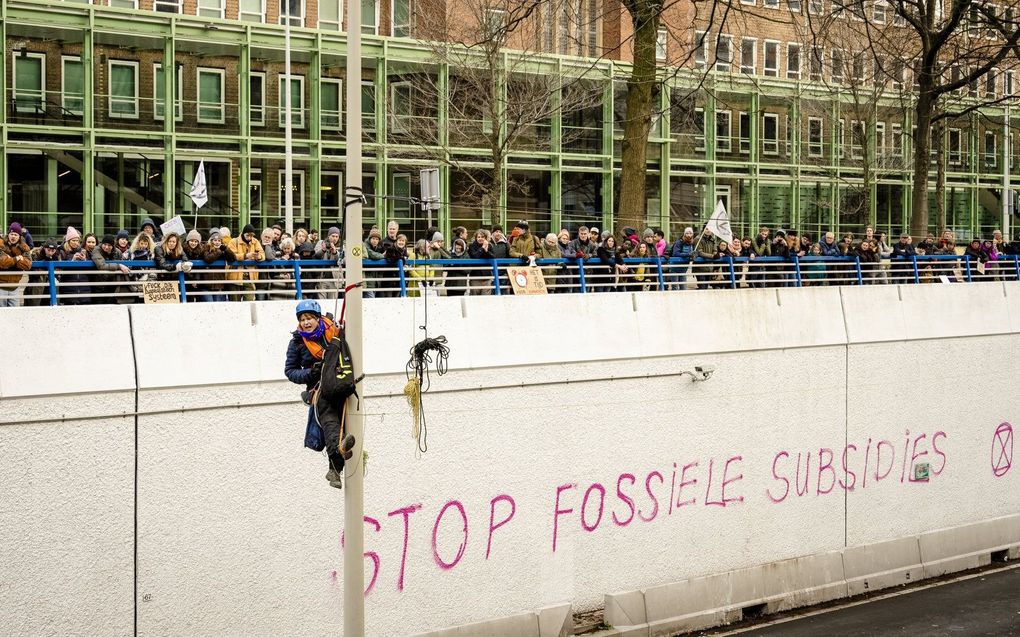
column 161, row 292
column 527, row 280
column 176, row 226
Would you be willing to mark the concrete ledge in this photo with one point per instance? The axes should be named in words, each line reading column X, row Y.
column 556, row 621
column 703, row 602
column 523, row 625
column 875, row 566
column 968, row 546
column 803, row 581
column 625, row 609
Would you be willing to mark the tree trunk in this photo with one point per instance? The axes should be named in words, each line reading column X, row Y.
column 940, row 178
column 632, row 209
column 922, row 159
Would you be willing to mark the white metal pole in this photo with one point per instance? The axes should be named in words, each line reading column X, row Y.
column 354, row 487
column 1007, row 198
column 288, row 140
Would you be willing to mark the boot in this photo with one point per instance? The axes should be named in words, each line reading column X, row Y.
column 347, row 447
column 334, row 479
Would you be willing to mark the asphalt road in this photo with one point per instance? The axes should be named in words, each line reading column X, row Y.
column 986, row 605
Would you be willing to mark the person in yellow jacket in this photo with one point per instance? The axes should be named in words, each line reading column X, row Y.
column 246, row 248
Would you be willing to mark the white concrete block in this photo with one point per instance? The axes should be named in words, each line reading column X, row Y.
column 625, row 609
column 968, row 546
column 556, row 621
column 524, row 625
column 881, row 565
column 804, row 581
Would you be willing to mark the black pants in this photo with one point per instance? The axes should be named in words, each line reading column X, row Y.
column 331, row 420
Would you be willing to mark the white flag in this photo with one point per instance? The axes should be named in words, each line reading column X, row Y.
column 199, row 193
column 719, row 224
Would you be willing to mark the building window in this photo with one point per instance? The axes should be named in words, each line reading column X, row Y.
column 1007, row 84
column 723, row 126
column 159, row 90
column 331, row 15
column 750, row 2
column 770, row 134
column 124, row 4
column 897, row 140
column 857, row 133
column 816, row 7
column 723, row 54
column 898, row 74
column 858, row 67
column 210, row 96
column 955, row 146
column 297, row 186
column 297, row 101
column 401, row 12
column 770, row 4
column 815, row 133
column 771, row 68
column 29, row 82
column 330, row 92
column 789, row 136
column 699, row 129
column 252, row 11
column 368, row 107
column 400, row 106
column 842, row 137
column 744, row 132
column 123, row 99
column 748, row 54
column 210, row 8
column 794, row 5
column 879, row 11
column 660, row 44
column 880, row 139
column 837, row 66
column 369, row 17
column 793, row 61
column 72, row 84
column 699, row 49
column 256, row 98
column 990, row 83
column 167, row 6
column 292, row 12
column 990, row 144
column 817, row 63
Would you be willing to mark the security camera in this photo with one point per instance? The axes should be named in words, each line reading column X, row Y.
column 706, row 371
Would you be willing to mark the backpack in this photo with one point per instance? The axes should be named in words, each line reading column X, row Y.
column 338, row 382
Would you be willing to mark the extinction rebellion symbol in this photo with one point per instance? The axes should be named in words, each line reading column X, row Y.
column 1002, row 450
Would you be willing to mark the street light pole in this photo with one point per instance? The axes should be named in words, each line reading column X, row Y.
column 288, row 136
column 354, row 487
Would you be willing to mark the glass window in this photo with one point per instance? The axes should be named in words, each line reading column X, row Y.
column 168, row 6
column 123, row 89
column 660, row 44
column 297, row 101
column 771, row 68
column 879, row 139
column 794, row 5
column 897, row 140
column 723, row 126
column 292, row 12
column 699, row 128
column 369, row 17
column 158, row 93
column 990, row 144
column 210, row 8
column 955, row 146
column 837, row 66
column 816, row 7
column 72, row 85
column 744, row 132
column 252, row 11
column 400, row 106
column 723, row 54
column 297, row 186
column 402, row 18
column 368, row 106
column 210, row 96
column 29, row 89
column 771, row 4
column 857, row 133
column 770, row 134
column 793, row 61
column 748, row 53
column 330, row 91
column 330, row 15
column 699, row 49
column 124, row 4
column 257, row 98
column 817, row 63
column 990, row 84
column 815, row 133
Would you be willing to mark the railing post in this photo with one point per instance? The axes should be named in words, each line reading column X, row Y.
column 580, row 276
column 917, row 275
column 1016, row 266
column 733, row 276
column 860, row 275
column 298, row 291
column 496, row 288
column 796, row 271
column 53, row 283
column 966, row 263
column 182, row 287
column 402, row 278
column 658, row 272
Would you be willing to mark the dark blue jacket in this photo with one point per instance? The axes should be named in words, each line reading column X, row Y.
column 298, row 366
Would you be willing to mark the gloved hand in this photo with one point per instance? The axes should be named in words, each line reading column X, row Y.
column 579, row 254
column 178, row 267
column 186, row 266
column 316, row 371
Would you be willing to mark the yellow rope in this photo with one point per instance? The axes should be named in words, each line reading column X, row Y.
column 411, row 392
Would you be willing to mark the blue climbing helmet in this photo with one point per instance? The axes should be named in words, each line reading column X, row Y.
column 308, row 306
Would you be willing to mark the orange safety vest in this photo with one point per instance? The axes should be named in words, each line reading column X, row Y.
column 314, row 347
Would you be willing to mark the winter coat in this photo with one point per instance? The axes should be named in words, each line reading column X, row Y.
column 588, row 248
column 682, row 249
column 9, row 262
column 762, row 247
column 499, row 249
column 211, row 255
column 830, row 250
column 75, row 281
column 240, row 248
column 708, row 248
column 900, row 251
column 298, row 365
column 167, row 265
column 977, row 255
column 476, row 251
column 523, row 245
column 546, row 251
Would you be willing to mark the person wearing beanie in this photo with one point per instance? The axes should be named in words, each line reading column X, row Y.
column 15, row 258
column 122, row 243
column 329, row 248
column 71, row 233
column 457, row 278
column 169, row 257
column 373, row 252
column 102, row 256
column 246, row 248
column 436, row 250
column 193, row 248
column 524, row 244
column 215, row 250
column 74, row 289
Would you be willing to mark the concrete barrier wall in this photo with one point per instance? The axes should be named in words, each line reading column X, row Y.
column 567, row 460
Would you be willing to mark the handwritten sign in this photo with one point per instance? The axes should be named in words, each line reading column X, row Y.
column 161, row 292
column 527, row 280
column 175, row 225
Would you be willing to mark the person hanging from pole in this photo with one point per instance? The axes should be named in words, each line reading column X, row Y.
column 317, row 357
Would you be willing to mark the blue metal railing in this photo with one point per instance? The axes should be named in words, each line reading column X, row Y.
column 585, row 275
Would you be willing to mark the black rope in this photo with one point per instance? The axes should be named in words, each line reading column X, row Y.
column 418, row 367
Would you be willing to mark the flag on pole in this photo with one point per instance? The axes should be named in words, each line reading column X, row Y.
column 719, row 224
column 199, row 193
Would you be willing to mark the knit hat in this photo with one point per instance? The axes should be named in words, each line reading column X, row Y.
column 688, row 230
column 123, row 234
column 51, row 243
column 551, row 238
column 16, row 227
column 647, row 233
column 333, row 230
column 194, row 234
column 215, row 234
column 225, row 232
column 438, row 236
column 71, row 234
column 108, row 239
column 374, row 232
column 606, row 235
column 247, row 228
column 522, row 224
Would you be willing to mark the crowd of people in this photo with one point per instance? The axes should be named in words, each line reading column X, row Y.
column 608, row 257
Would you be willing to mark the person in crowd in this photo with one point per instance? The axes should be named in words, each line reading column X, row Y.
column 194, row 252
column 102, row 258
column 306, row 251
column 884, row 250
column 89, row 243
column 614, row 267
column 813, row 271
column 548, row 248
column 422, row 275
column 460, row 232
column 867, row 253
column 629, row 234
column 169, row 257
column 150, row 228
column 498, row 244
column 269, row 245
column 481, row 249
column 990, row 249
column 15, row 260
column 525, row 245
column 805, row 245
column 277, row 236
column 282, row 279
column 215, row 284
column 122, row 244
column 828, row 246
column 75, row 289
column 329, row 248
column 977, row 256
column 392, row 230
column 143, row 248
column 436, row 249
column 300, row 236
column 303, row 366
column 624, row 250
column 902, row 254
column 373, row 274
column 682, row 249
column 457, row 278
column 946, row 247
column 37, row 289
column 761, row 244
column 707, row 254
column 583, row 247
column 642, row 274
column 928, row 244
column 660, row 243
column 246, row 248
column 647, row 236
column 596, row 236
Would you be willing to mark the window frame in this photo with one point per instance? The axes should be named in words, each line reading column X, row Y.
column 954, row 157
column 728, row 137
column 661, row 44
column 178, row 93
column 765, row 70
column 292, row 20
column 124, row 4
column 339, row 113
column 816, row 149
column 179, row 4
column 200, row 104
column 397, row 123
column 769, row 146
column 410, row 18
column 700, row 50
column 243, row 16
column 744, row 136
column 833, row 77
column 300, row 79
column 770, row 4
column 220, row 13
column 330, row 25
column 796, row 75
column 699, row 138
column 754, row 56
column 896, row 131
column 720, row 66
column 816, row 56
column 28, row 94
column 371, row 29
column 111, row 113
column 261, row 106
column 298, row 183
column 991, row 159
column 64, row 59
